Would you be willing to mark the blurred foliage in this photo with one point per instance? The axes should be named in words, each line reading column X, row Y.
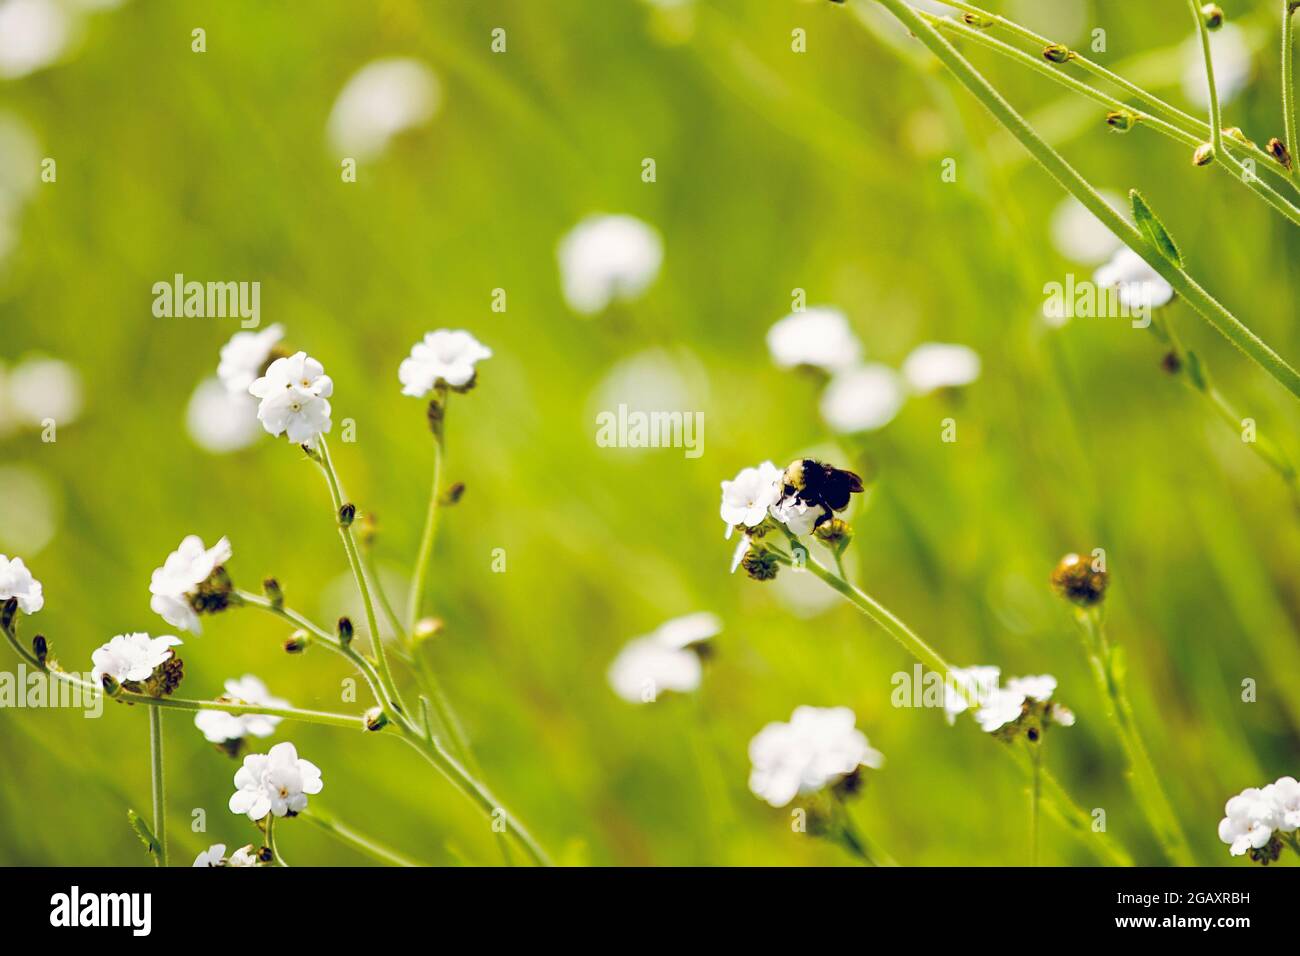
column 775, row 171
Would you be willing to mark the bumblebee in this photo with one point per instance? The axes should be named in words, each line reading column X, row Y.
column 820, row 485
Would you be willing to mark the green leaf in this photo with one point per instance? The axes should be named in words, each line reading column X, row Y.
column 145, row 834
column 1153, row 229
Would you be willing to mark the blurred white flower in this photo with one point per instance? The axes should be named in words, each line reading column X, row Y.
column 131, row 657
column 747, row 497
column 647, row 666
column 819, row 337
column 277, row 782
column 606, row 259
column 212, row 856
column 1230, row 52
column 218, row 726
column 978, row 682
column 1004, row 705
column 219, row 420
column 1285, row 794
column 1140, row 286
column 33, row 34
column 178, row 580
column 294, row 395
column 382, row 99
column 43, row 388
column 818, row 747
column 245, row 355
column 935, row 365
column 29, row 508
column 1249, row 821
column 862, row 399
column 17, row 582
column 688, row 630
column 443, row 357
column 1080, row 236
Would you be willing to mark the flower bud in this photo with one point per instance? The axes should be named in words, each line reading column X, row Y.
column 976, row 21
column 1204, row 155
column 1213, row 14
column 376, row 719
column 40, row 649
column 271, row 587
column 760, row 565
column 297, row 642
column 452, row 494
column 436, row 414
column 1171, row 363
column 111, row 687
column 835, row 534
column 347, row 514
column 1057, row 53
column 8, row 613
column 1277, row 149
column 345, row 630
column 1075, row 579
column 265, row 854
column 1121, row 121
column 1234, row 133
column 166, row 678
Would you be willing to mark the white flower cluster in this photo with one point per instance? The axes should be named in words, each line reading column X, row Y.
column 817, row 748
column 607, row 259
column 176, row 584
column 1137, row 285
column 999, row 709
column 445, row 357
column 220, row 727
column 1252, row 817
column 215, row 855
column 277, row 782
column 294, row 394
column 668, row 659
column 132, row 657
column 17, row 582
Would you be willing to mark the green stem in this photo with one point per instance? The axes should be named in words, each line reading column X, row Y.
column 432, row 750
column 1288, row 79
column 1142, row 774
column 1223, row 320
column 1035, row 793
column 430, row 519
column 276, row 858
column 346, row 835
column 1216, row 118
column 358, row 572
column 156, row 774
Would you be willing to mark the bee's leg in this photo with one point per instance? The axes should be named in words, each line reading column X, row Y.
column 822, row 518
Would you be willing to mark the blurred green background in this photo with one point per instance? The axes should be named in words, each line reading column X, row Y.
column 775, row 171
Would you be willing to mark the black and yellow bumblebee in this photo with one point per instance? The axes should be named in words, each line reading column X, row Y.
column 820, row 485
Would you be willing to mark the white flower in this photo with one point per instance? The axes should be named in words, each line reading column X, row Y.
column 816, row 748
column 218, row 726
column 445, row 356
column 1285, row 794
column 245, row 355
column 212, row 856
column 179, row 578
column 382, row 99
column 39, row 388
column 1004, row 705
column 938, row 365
column 819, row 337
column 1140, row 286
column 220, row 421
column 688, row 630
column 648, row 666
column 747, row 497
column 978, row 682
column 33, row 34
column 294, row 393
column 1079, row 235
column 1230, row 51
column 862, row 399
column 244, row 856
column 277, row 782
column 606, row 259
column 798, row 516
column 131, row 657
column 17, row 582
column 1250, row 820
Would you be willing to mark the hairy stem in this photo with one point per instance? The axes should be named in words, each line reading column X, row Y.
column 1216, row 117
column 1288, row 78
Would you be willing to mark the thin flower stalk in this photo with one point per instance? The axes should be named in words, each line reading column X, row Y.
column 1214, row 312
column 350, row 837
column 1289, row 8
column 430, row 532
column 156, row 779
column 1108, row 672
column 1216, row 116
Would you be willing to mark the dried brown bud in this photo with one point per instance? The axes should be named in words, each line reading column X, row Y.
column 1204, row 155
column 1076, row 580
column 1057, row 53
column 1277, row 149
